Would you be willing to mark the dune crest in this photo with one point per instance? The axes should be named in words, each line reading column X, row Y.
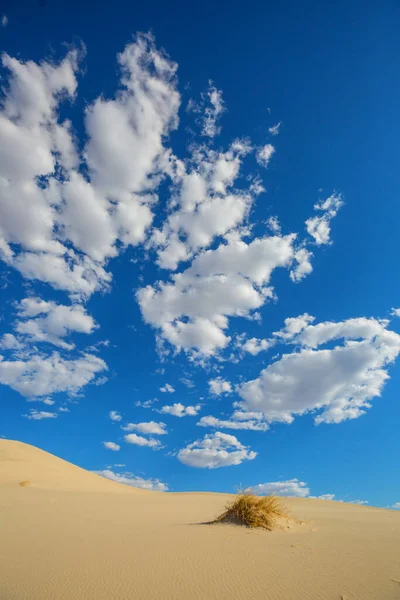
column 29, row 466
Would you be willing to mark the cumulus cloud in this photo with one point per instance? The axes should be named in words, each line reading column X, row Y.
column 214, row 451
column 167, row 388
column 254, row 346
column 191, row 311
column 319, row 227
column 395, row 312
column 291, row 487
column 179, row 410
column 58, row 225
column 335, row 383
column 50, row 322
column 293, row 326
column 8, row 341
column 264, row 155
column 38, row 415
column 150, row 427
column 115, row 415
column 111, row 446
column 138, row 440
column 45, row 375
column 219, row 386
column 134, row 481
column 204, row 204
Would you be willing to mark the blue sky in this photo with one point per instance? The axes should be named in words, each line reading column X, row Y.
column 204, row 197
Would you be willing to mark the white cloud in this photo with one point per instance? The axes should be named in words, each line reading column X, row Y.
column 191, row 311
column 51, row 322
column 8, row 341
column 254, row 346
column 132, row 480
column 274, row 130
column 43, row 376
column 4, row 21
column 146, row 403
column 334, row 383
column 319, row 227
column 150, row 427
column 111, row 446
column 395, row 312
column 204, row 204
column 209, row 421
column 293, row 326
column 139, row 440
column 295, row 488
column 114, row 415
column 219, row 387
column 48, row 401
column 167, row 388
column 179, row 410
column 291, row 487
column 213, row 112
column 302, row 264
column 62, row 229
column 395, row 506
column 264, row 155
column 38, row 415
column 214, row 451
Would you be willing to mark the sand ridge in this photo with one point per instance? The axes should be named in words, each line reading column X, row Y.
column 70, row 534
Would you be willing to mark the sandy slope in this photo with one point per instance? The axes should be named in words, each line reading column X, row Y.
column 73, row 535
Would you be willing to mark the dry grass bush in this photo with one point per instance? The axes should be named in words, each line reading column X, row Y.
column 253, row 511
column 24, row 483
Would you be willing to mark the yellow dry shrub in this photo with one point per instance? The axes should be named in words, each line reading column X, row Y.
column 253, row 511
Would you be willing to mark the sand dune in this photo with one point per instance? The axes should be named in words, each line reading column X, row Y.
column 70, row 534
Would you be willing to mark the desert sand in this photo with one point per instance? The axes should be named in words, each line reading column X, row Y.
column 69, row 534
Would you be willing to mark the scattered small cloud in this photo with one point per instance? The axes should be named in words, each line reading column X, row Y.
column 111, row 446
column 291, row 487
column 214, row 451
column 132, row 480
column 209, row 421
column 179, row 410
column 264, row 155
column 4, row 21
column 254, row 346
column 274, row 130
column 38, row 415
column 115, row 415
column 146, row 403
column 139, row 440
column 219, row 387
column 212, row 112
column 167, row 388
column 150, row 427
column 319, row 227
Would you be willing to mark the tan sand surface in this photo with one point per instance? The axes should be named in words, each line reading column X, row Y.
column 69, row 534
